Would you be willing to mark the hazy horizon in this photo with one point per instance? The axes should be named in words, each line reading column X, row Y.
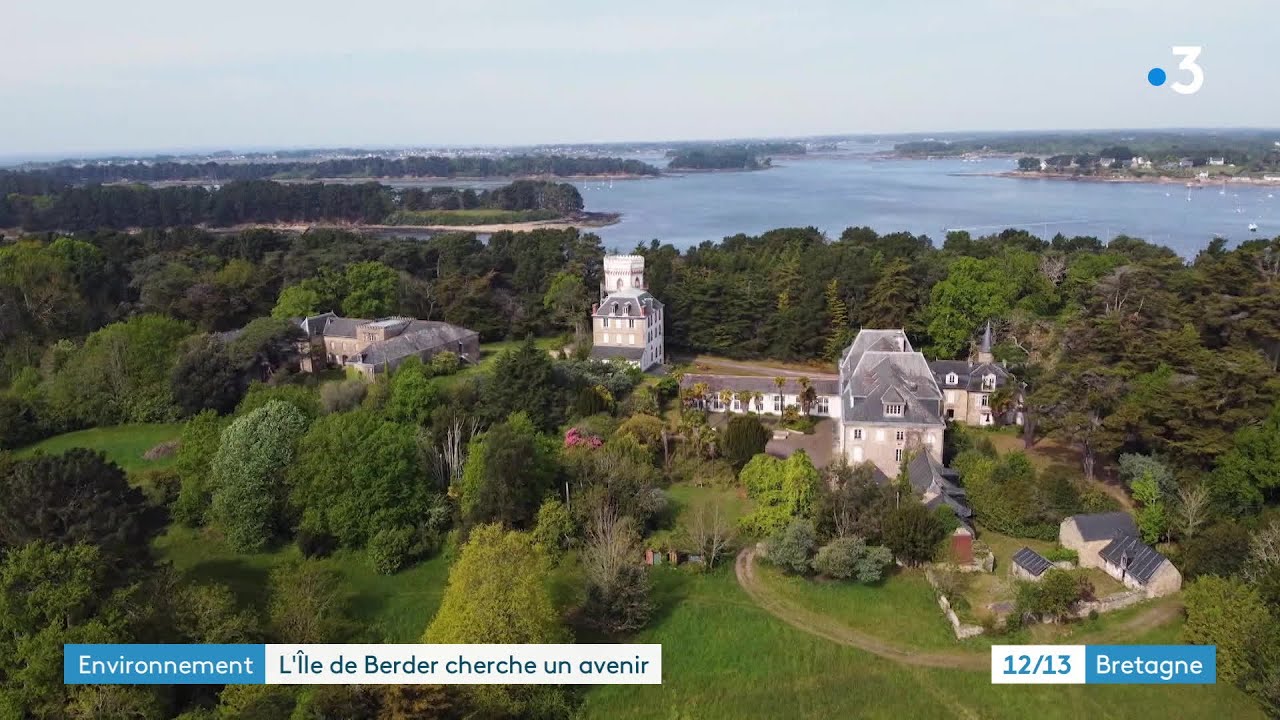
column 169, row 78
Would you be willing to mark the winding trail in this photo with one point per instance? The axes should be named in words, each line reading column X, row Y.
column 827, row 628
column 837, row 632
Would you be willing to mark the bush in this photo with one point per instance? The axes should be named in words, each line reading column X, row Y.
column 389, row 548
column 791, row 547
column 160, row 486
column 744, row 438
column 1061, row 554
column 554, row 528
column 850, row 557
column 913, row 533
column 445, row 363
column 589, row 402
column 342, row 395
column 316, row 544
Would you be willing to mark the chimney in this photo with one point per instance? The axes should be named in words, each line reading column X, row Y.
column 594, row 308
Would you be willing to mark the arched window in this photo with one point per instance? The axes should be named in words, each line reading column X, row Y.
column 636, row 281
column 619, row 283
column 628, row 308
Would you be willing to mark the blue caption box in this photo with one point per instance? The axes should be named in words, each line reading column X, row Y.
column 164, row 664
column 1151, row 664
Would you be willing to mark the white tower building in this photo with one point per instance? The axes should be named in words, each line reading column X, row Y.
column 628, row 321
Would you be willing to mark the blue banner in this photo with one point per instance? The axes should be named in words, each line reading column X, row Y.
column 164, row 664
column 1151, row 664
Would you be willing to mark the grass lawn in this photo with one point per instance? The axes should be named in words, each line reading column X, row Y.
column 122, row 444
column 394, row 609
column 726, row 658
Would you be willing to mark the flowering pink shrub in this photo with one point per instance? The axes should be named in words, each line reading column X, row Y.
column 574, row 437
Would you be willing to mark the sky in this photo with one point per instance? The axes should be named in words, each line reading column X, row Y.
column 81, row 77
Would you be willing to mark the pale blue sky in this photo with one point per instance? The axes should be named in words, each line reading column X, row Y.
column 85, row 76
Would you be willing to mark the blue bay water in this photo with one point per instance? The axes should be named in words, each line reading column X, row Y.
column 839, row 190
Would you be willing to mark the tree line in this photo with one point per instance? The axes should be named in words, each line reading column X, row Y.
column 433, row 166
column 92, row 207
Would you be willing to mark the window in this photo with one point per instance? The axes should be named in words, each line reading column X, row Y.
column 986, row 418
column 615, row 305
column 879, row 435
column 631, row 323
column 857, row 454
column 928, row 439
column 986, row 401
column 989, row 382
column 897, row 455
column 893, row 409
column 857, row 433
column 901, row 435
column 606, row 322
column 823, row 406
column 777, row 403
column 631, row 339
column 952, row 379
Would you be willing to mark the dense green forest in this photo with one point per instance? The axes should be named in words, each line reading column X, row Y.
column 1255, row 151
column 1131, row 356
column 434, row 166
column 753, row 156
column 34, row 207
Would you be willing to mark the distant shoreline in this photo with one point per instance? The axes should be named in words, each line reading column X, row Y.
column 1127, row 179
column 580, row 220
column 399, row 179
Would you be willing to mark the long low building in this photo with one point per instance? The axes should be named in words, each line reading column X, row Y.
column 767, row 398
column 376, row 346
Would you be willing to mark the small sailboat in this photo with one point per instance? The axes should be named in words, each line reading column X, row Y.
column 1253, row 227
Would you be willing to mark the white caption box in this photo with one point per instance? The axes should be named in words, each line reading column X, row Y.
column 595, row 664
column 1037, row 664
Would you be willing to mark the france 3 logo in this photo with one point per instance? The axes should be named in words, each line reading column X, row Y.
column 1189, row 54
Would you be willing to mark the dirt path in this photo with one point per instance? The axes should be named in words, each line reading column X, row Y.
column 825, row 627
column 724, row 367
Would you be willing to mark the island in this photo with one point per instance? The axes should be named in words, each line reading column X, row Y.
column 752, row 156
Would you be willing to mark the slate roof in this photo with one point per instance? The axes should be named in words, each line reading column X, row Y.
column 1031, row 561
column 881, row 378
column 314, row 324
column 637, row 298
column 420, row 336
column 968, row 375
column 335, row 326
column 1105, row 526
column 760, row 384
column 604, row 352
column 1133, row 556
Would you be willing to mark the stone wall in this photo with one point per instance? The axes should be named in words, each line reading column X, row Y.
column 1112, row 603
column 961, row 630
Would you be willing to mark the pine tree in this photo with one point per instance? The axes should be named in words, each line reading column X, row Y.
column 892, row 299
column 839, row 334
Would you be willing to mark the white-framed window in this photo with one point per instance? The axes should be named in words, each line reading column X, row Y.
column 615, row 308
column 737, row 405
column 857, row 433
column 985, row 401
column 893, row 409
column 824, row 406
column 989, row 381
column 631, row 323
column 606, row 322
column 901, row 435
column 952, row 379
column 897, row 455
column 777, row 403
column 986, row 418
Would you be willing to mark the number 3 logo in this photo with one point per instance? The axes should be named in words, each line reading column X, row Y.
column 1189, row 53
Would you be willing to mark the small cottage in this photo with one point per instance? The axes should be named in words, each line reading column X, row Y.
column 1029, row 565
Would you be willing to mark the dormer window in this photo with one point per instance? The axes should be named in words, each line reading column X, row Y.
column 952, row 379
column 893, row 409
column 615, row 308
column 989, row 382
column 628, row 308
